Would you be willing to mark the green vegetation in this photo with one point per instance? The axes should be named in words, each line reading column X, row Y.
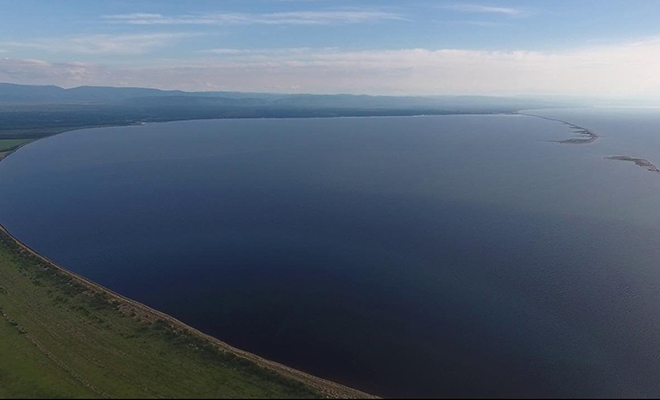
column 11, row 144
column 61, row 337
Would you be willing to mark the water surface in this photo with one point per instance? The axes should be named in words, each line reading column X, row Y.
column 404, row 256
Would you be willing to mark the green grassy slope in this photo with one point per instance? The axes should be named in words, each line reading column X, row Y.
column 11, row 144
column 61, row 336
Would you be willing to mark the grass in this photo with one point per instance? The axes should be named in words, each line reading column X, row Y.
column 61, row 338
column 12, row 144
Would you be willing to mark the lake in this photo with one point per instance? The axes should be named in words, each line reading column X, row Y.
column 403, row 256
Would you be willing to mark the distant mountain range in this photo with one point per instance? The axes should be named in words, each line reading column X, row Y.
column 98, row 95
column 30, row 94
column 36, row 111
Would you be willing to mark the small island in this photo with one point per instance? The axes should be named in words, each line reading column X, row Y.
column 640, row 162
column 586, row 136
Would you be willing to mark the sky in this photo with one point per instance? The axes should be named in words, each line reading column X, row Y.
column 605, row 48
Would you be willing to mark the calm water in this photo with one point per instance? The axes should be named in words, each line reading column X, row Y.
column 407, row 256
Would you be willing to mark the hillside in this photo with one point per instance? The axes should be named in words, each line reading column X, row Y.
column 64, row 337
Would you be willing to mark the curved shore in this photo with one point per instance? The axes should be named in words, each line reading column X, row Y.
column 586, row 136
column 150, row 316
column 144, row 313
column 129, row 307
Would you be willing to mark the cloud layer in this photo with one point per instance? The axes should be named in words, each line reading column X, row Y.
column 279, row 18
column 98, row 44
column 625, row 69
column 477, row 8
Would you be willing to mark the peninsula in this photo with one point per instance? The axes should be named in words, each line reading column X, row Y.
column 586, row 136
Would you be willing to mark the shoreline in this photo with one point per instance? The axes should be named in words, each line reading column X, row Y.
column 147, row 314
column 640, row 162
column 6, row 154
column 586, row 136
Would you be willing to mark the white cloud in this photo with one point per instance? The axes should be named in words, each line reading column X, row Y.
column 272, row 53
column 44, row 73
column 622, row 69
column 98, row 44
column 279, row 18
column 477, row 8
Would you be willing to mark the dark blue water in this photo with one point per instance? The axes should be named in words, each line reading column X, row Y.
column 412, row 256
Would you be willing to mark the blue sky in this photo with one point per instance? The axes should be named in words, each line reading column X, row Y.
column 607, row 48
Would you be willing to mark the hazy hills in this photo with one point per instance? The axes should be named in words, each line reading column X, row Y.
column 36, row 111
column 12, row 94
